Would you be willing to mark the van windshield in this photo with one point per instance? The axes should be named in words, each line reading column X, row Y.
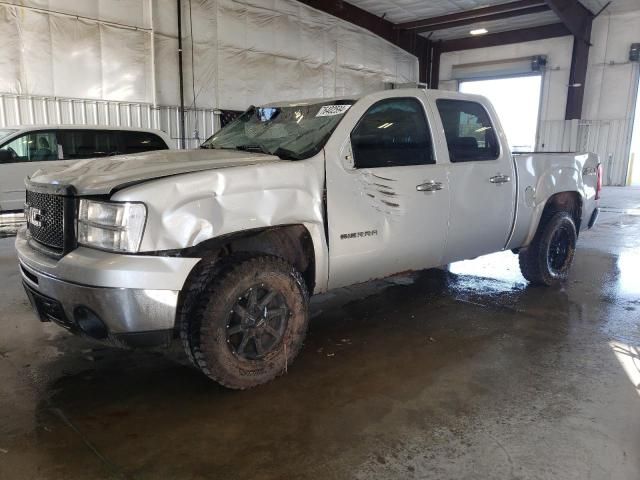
column 292, row 132
column 4, row 133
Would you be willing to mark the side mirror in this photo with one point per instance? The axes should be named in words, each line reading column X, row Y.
column 5, row 156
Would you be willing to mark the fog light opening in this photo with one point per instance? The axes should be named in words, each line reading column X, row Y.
column 89, row 323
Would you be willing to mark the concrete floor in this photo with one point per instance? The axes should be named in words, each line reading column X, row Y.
column 465, row 374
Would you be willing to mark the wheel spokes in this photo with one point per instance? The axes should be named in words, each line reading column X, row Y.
column 275, row 313
column 240, row 311
column 243, row 343
column 252, row 298
column 235, row 330
column 259, row 347
column 257, row 322
column 270, row 295
column 271, row 331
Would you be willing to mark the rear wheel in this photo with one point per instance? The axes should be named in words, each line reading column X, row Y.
column 548, row 259
column 249, row 321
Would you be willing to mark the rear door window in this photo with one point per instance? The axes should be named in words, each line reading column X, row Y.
column 469, row 132
column 31, row 147
column 138, row 142
column 77, row 144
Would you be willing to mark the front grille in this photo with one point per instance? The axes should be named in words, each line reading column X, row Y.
column 45, row 219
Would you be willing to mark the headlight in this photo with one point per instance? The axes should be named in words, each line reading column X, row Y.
column 110, row 225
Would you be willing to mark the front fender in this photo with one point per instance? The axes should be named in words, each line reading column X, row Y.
column 188, row 209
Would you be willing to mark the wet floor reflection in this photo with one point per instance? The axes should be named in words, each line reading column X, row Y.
column 629, row 358
column 628, row 281
column 502, row 269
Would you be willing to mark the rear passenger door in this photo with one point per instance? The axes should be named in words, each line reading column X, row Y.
column 387, row 197
column 79, row 144
column 481, row 179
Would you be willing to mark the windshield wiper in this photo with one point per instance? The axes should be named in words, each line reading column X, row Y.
column 253, row 148
column 286, row 154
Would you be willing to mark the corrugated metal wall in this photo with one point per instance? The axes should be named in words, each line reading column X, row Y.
column 608, row 138
column 558, row 136
column 35, row 110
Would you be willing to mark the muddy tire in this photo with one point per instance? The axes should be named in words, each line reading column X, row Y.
column 247, row 321
column 549, row 257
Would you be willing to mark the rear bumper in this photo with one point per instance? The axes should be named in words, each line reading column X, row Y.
column 118, row 314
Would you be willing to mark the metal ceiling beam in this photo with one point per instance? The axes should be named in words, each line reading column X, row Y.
column 468, row 17
column 505, row 38
column 408, row 41
column 575, row 16
column 484, row 18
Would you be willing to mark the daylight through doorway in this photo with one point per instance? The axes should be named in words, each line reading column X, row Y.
column 517, row 101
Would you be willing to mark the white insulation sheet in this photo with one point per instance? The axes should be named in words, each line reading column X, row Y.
column 245, row 52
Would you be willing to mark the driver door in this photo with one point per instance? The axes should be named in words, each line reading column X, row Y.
column 387, row 197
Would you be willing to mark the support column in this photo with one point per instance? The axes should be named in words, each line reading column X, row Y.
column 577, row 78
column 434, row 77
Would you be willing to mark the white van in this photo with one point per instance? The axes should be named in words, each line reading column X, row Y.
column 23, row 150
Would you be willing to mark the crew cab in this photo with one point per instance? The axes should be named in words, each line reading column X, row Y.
column 221, row 247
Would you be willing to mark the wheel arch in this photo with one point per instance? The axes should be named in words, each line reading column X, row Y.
column 294, row 243
column 570, row 201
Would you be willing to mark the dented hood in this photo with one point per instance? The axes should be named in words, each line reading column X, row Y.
column 104, row 175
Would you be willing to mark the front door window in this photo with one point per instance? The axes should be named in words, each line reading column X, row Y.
column 31, row 147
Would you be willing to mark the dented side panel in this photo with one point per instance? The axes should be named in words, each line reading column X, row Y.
column 185, row 210
column 542, row 175
column 379, row 223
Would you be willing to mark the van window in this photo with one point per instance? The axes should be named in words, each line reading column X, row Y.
column 31, row 147
column 77, row 144
column 468, row 130
column 392, row 133
column 137, row 142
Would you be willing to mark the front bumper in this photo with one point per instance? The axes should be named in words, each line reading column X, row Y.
column 124, row 305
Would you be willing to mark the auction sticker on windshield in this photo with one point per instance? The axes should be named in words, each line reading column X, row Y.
column 331, row 110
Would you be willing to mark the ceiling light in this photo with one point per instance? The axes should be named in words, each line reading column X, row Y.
column 479, row 31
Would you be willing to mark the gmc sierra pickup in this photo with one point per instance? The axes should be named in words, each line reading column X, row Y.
column 221, row 247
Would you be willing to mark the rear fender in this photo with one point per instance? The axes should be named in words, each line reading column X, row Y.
column 558, row 190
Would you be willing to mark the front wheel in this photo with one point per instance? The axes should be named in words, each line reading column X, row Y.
column 549, row 257
column 248, row 322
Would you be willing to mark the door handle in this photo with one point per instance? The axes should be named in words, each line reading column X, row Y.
column 500, row 179
column 431, row 186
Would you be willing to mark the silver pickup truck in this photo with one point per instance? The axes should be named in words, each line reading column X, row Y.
column 221, row 247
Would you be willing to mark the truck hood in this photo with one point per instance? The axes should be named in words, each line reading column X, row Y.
column 104, row 175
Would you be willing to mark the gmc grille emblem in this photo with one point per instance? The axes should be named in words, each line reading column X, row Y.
column 34, row 216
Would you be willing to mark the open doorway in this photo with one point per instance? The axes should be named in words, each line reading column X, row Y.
column 634, row 159
column 517, row 102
